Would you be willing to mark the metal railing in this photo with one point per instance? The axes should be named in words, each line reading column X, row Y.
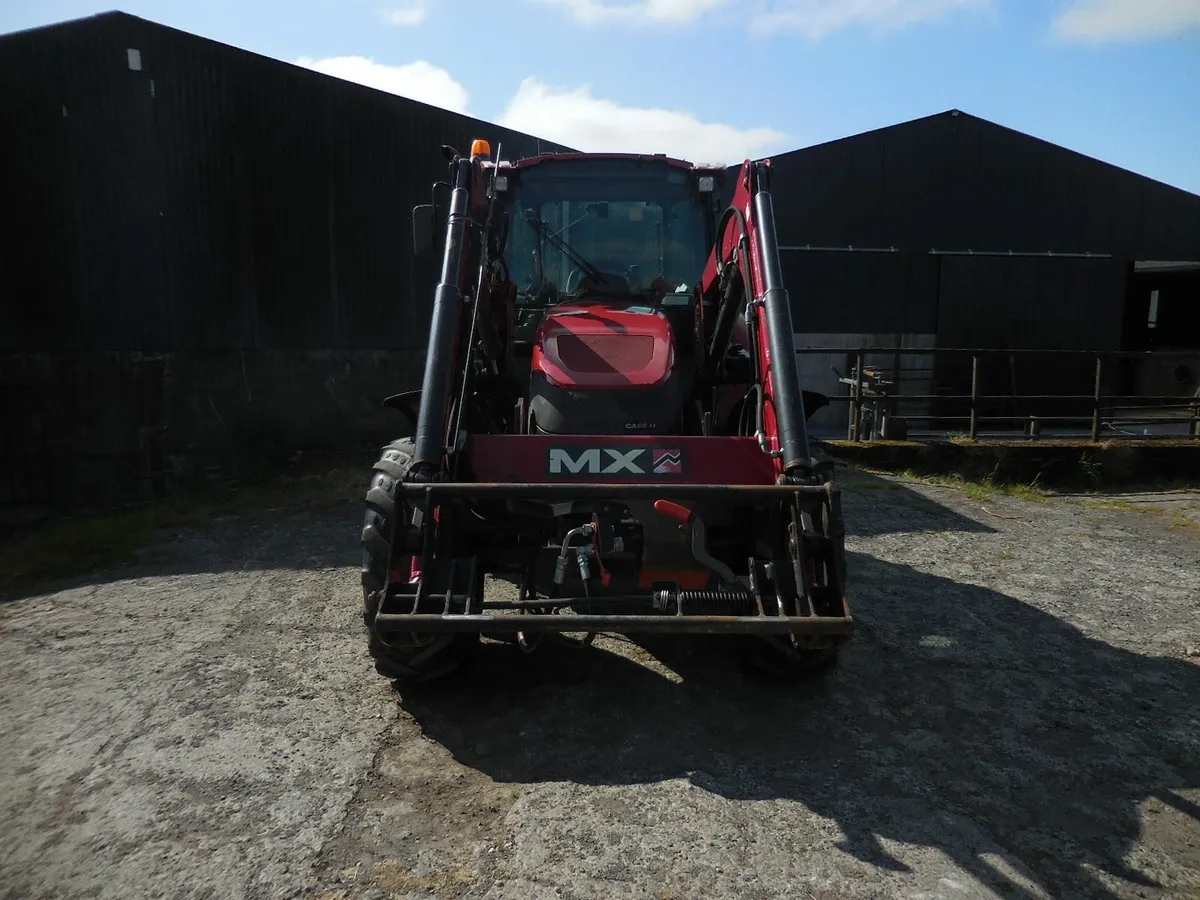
column 874, row 397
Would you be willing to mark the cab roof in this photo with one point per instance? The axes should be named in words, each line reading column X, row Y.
column 530, row 161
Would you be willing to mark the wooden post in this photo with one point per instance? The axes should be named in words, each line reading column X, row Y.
column 1096, row 400
column 974, row 396
column 858, row 390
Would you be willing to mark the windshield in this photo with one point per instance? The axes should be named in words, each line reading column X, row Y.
column 621, row 225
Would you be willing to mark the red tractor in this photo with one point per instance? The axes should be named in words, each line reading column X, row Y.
column 611, row 419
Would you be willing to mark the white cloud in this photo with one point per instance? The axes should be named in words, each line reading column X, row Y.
column 418, row 80
column 591, row 12
column 411, row 13
column 1097, row 21
column 816, row 19
column 812, row 18
column 577, row 119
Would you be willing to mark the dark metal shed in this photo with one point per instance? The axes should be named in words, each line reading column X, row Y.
column 951, row 231
column 207, row 257
column 169, row 192
column 1015, row 240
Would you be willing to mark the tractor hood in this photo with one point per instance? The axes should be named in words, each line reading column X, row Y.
column 596, row 345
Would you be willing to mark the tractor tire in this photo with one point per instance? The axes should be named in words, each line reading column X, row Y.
column 400, row 656
column 775, row 656
column 777, row 659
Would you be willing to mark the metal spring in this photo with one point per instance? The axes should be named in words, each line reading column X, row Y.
column 719, row 601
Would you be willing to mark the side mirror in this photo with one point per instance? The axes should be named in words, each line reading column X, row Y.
column 422, row 230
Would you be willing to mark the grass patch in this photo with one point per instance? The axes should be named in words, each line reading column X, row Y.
column 878, row 480
column 1183, row 520
column 1116, row 504
column 978, row 489
column 86, row 542
column 1172, row 518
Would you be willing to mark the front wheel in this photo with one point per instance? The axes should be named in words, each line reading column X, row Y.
column 400, row 656
column 784, row 657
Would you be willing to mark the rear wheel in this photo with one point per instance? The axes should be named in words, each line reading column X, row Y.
column 400, row 656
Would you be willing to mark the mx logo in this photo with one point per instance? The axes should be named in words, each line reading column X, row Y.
column 614, row 461
column 667, row 462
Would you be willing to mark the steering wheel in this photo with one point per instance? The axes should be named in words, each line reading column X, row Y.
column 608, row 283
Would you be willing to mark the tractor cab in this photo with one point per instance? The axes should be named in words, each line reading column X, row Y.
column 610, row 230
column 606, row 255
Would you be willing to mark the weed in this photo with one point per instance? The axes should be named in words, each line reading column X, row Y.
column 1172, row 518
column 1118, row 504
column 1028, row 492
column 1092, row 468
column 981, row 490
column 1183, row 520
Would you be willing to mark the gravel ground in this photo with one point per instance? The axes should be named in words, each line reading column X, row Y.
column 1018, row 716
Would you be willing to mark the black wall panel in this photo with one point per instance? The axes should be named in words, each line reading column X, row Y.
column 952, row 182
column 861, row 293
column 215, row 199
column 39, row 249
column 955, row 182
column 1038, row 303
column 1028, row 304
column 210, row 198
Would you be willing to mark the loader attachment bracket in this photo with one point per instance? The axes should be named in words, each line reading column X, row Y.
column 818, row 615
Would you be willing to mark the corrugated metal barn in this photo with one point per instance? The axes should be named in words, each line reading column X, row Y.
column 950, row 231
column 207, row 255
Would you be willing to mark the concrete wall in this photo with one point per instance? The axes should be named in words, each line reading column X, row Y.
column 98, row 428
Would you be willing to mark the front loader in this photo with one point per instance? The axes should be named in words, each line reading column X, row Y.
column 611, row 419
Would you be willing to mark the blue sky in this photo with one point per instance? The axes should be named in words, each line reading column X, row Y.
column 718, row 80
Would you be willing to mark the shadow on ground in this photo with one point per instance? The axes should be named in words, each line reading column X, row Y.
column 285, row 535
column 876, row 506
column 271, row 539
column 960, row 720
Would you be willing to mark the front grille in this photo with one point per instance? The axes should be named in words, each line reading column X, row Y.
column 605, row 353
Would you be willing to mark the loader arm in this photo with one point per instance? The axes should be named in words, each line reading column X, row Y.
column 742, row 277
column 463, row 335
